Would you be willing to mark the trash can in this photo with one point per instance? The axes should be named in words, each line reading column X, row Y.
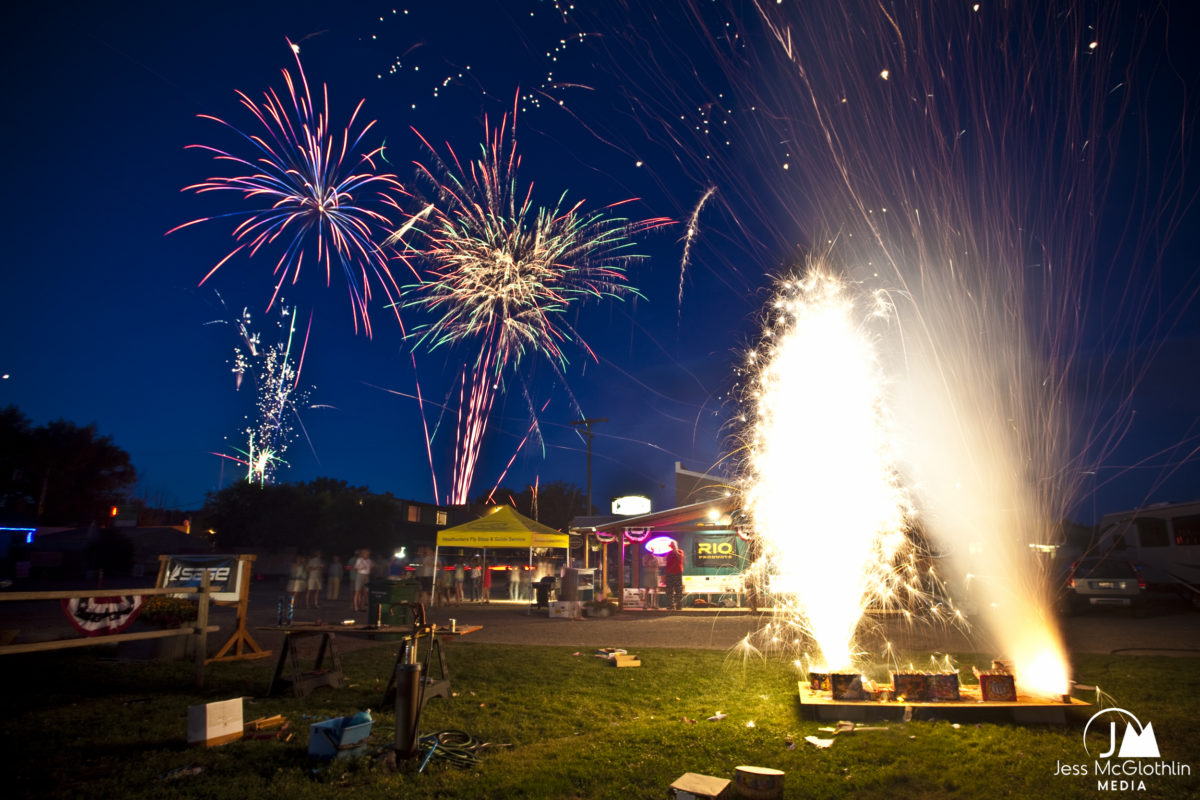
column 385, row 604
column 542, row 590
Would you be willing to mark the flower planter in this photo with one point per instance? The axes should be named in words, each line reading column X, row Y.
column 168, row 648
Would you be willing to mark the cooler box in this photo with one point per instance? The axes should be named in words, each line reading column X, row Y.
column 338, row 738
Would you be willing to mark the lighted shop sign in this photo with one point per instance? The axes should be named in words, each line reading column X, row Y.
column 659, row 545
column 631, row 505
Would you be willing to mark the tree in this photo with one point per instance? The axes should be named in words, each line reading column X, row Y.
column 325, row 513
column 59, row 472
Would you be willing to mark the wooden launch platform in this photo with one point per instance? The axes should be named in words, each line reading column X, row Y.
column 1026, row 710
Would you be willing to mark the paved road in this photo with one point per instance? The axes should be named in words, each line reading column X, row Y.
column 1168, row 628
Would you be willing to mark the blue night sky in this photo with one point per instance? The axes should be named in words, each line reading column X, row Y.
column 103, row 321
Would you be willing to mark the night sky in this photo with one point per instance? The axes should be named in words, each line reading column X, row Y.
column 103, row 320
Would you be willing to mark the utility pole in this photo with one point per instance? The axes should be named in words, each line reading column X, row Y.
column 588, row 423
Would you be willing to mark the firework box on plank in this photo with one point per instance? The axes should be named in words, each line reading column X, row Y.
column 942, row 687
column 215, row 724
column 819, row 681
column 566, row 609
column 693, row 786
column 911, row 686
column 997, row 687
column 847, row 687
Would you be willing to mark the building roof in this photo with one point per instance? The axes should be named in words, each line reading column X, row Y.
column 693, row 514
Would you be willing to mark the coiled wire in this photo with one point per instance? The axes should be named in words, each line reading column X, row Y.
column 457, row 748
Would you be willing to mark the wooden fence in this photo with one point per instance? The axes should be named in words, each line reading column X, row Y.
column 200, row 629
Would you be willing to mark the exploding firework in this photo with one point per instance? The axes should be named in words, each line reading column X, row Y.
column 274, row 371
column 502, row 274
column 310, row 191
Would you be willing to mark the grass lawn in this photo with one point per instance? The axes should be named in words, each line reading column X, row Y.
column 76, row 725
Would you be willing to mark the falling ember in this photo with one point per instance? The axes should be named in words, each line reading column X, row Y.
column 820, row 487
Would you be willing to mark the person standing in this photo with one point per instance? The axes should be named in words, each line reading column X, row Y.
column 425, row 574
column 362, row 573
column 333, row 579
column 514, row 583
column 487, row 585
column 316, row 573
column 297, row 579
column 476, row 581
column 526, row 591
column 649, row 578
column 673, row 572
column 445, row 586
column 460, row 577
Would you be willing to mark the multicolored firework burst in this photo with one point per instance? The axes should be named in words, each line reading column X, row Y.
column 503, row 273
column 310, row 193
column 278, row 395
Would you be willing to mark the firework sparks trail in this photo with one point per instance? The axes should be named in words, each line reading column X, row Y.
column 502, row 274
column 278, row 395
column 693, row 228
column 533, row 429
column 310, row 195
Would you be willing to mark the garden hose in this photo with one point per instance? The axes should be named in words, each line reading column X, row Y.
column 455, row 747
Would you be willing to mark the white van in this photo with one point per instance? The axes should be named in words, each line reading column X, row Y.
column 1164, row 540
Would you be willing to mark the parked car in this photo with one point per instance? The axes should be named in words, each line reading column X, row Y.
column 1105, row 582
column 1163, row 540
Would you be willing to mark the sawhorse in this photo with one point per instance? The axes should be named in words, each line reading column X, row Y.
column 304, row 681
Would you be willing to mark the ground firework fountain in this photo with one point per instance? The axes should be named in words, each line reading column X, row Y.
column 821, row 486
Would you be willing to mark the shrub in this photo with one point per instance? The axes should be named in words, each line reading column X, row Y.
column 168, row 612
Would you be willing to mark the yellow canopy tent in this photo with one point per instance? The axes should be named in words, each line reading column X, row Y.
column 502, row 527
